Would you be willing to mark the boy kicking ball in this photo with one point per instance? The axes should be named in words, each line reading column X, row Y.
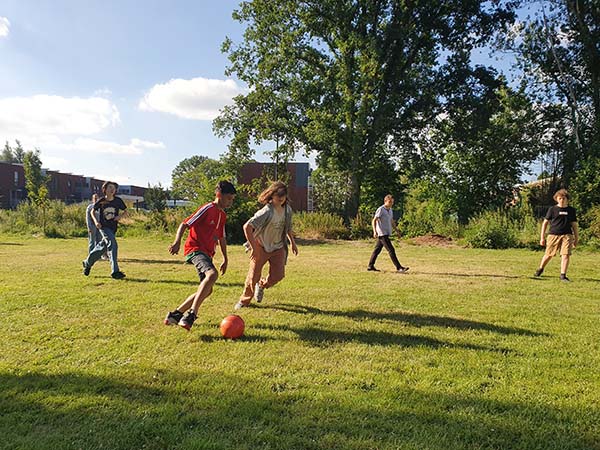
column 206, row 228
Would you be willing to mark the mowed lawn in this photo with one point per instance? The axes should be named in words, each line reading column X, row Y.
column 467, row 351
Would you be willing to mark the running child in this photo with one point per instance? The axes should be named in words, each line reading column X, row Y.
column 268, row 232
column 206, row 228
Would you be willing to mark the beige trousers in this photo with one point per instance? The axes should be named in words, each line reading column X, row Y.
column 258, row 259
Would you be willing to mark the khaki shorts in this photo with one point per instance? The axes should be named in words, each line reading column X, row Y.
column 554, row 242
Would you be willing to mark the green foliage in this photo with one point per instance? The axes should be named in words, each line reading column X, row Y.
column 155, row 198
column 195, row 178
column 428, row 210
column 585, row 187
column 504, row 228
column 12, row 154
column 331, row 190
column 360, row 226
column 340, row 78
column 316, row 225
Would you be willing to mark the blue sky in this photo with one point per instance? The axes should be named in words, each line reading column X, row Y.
column 120, row 90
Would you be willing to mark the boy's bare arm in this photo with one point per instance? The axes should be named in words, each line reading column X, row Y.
column 575, row 233
column 223, row 245
column 174, row 247
column 543, row 233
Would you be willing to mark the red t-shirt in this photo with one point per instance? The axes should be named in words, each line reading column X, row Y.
column 207, row 226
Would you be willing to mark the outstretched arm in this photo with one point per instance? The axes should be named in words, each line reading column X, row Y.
column 223, row 245
column 174, row 247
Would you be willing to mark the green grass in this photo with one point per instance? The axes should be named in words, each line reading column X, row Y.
column 465, row 352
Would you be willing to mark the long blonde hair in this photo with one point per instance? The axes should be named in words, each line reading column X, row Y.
column 276, row 188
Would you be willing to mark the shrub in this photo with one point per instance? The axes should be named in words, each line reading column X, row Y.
column 491, row 229
column 317, row 225
column 360, row 226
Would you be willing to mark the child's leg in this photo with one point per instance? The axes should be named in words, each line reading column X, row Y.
column 545, row 260
column 113, row 248
column 96, row 253
column 257, row 262
column 276, row 269
column 564, row 263
column 205, row 289
column 392, row 251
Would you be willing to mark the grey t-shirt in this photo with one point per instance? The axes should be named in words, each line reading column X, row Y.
column 384, row 224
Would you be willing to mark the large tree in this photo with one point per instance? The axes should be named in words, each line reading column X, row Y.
column 558, row 49
column 346, row 78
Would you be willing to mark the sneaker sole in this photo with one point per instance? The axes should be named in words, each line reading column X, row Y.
column 170, row 322
column 185, row 327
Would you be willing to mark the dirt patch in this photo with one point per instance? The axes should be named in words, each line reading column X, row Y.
column 434, row 240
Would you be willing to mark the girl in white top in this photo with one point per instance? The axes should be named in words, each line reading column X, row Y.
column 268, row 233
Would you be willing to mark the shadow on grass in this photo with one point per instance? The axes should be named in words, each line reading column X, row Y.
column 179, row 410
column 417, row 320
column 209, row 338
column 152, row 261
column 184, row 282
column 11, row 243
column 466, row 275
column 323, row 338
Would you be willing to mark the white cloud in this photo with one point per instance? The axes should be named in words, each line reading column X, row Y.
column 135, row 146
column 198, row 98
column 52, row 115
column 4, row 27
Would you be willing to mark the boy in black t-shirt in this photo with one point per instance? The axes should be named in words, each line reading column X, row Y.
column 564, row 233
column 110, row 207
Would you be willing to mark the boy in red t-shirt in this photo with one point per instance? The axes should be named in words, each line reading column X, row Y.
column 207, row 227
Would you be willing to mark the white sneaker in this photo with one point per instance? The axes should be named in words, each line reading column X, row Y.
column 259, row 293
column 238, row 306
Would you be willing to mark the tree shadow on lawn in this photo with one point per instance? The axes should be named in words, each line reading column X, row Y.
column 413, row 319
column 175, row 409
column 323, row 338
column 185, row 282
column 12, row 243
column 153, row 261
column 466, row 275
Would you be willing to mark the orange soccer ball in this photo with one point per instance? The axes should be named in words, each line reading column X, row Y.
column 232, row 327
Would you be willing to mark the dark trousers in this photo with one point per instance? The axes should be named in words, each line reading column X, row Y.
column 384, row 241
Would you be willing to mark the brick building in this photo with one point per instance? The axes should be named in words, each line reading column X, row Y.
column 62, row 186
column 299, row 189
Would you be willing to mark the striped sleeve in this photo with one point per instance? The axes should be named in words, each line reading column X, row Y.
column 201, row 211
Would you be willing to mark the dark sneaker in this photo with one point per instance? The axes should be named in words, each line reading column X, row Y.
column 187, row 320
column 86, row 268
column 173, row 318
column 538, row 273
column 402, row 269
column 118, row 275
column 564, row 278
column 373, row 269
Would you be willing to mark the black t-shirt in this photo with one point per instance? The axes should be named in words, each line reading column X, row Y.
column 561, row 219
column 108, row 211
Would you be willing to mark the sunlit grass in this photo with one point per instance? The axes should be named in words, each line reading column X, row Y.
column 467, row 351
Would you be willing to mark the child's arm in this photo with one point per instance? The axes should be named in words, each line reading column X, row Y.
column 575, row 233
column 223, row 245
column 174, row 247
column 293, row 242
column 249, row 233
column 122, row 215
column 543, row 233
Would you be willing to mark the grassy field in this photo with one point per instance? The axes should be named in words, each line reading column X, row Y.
column 467, row 351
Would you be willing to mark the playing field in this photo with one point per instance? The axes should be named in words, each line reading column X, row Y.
column 467, row 351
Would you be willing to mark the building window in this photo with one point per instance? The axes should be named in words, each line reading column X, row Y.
column 16, row 178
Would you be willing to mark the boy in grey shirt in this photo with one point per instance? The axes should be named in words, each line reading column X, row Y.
column 382, row 229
